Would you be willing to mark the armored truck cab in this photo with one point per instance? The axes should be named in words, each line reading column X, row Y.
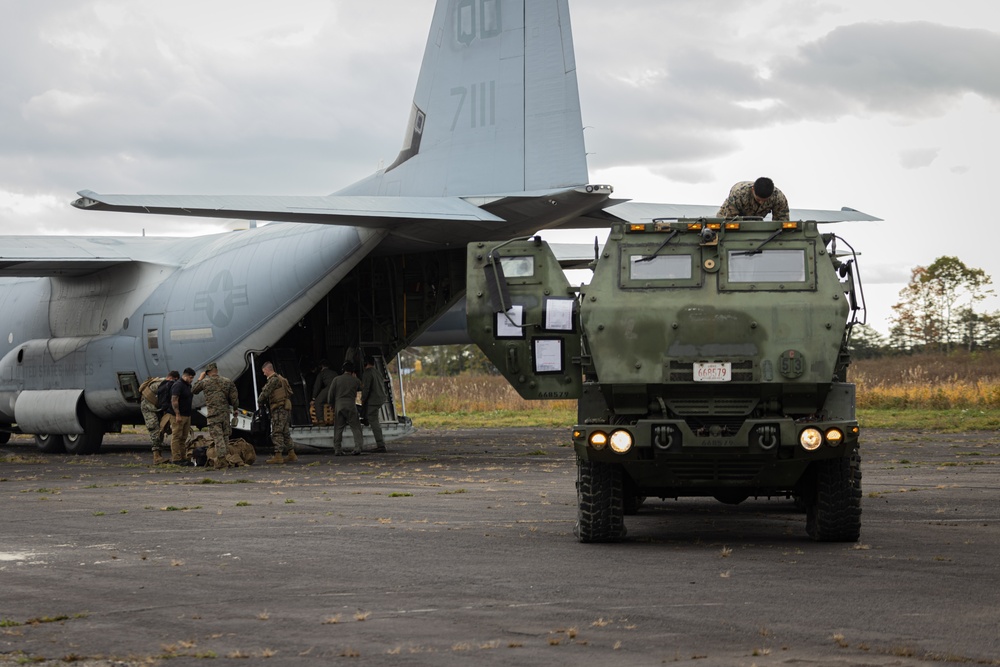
column 709, row 358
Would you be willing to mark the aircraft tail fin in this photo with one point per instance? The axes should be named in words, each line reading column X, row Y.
column 496, row 108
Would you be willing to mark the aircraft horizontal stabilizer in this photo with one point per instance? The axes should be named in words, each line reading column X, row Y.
column 371, row 212
column 646, row 211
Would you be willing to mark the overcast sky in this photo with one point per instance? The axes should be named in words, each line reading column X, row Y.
column 888, row 106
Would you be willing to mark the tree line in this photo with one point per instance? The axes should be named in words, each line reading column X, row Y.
column 938, row 311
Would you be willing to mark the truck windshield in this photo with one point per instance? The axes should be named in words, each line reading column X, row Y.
column 768, row 266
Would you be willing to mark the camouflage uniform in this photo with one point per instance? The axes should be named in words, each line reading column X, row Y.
column 741, row 202
column 344, row 391
column 220, row 396
column 277, row 394
column 151, row 413
column 372, row 399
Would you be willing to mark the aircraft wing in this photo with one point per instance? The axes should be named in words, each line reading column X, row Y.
column 353, row 210
column 51, row 256
column 634, row 211
column 574, row 255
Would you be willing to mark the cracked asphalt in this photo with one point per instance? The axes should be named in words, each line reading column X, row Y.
column 456, row 548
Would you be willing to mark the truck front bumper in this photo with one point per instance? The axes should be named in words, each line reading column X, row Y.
column 763, row 456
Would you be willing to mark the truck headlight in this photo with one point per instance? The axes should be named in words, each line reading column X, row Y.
column 598, row 440
column 810, row 439
column 621, row 441
column 834, row 436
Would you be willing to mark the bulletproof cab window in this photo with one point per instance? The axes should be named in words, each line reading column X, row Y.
column 518, row 267
column 669, row 267
column 786, row 268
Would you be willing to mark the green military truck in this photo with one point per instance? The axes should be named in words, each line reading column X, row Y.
column 708, row 356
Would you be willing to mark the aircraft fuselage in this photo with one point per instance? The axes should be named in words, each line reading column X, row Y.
column 212, row 298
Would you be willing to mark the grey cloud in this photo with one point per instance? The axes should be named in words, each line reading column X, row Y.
column 691, row 104
column 685, row 174
column 917, row 158
column 138, row 105
column 681, row 111
column 911, row 69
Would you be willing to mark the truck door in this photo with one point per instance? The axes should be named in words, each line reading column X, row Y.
column 524, row 315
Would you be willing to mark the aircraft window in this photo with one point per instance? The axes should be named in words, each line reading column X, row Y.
column 660, row 267
column 518, row 267
column 768, row 266
column 153, row 339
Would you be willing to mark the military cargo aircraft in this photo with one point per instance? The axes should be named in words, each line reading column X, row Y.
column 493, row 150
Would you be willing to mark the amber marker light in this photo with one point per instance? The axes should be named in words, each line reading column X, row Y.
column 621, row 441
column 810, row 439
column 834, row 436
column 598, row 440
column 637, row 228
column 732, row 226
column 789, row 225
column 694, row 226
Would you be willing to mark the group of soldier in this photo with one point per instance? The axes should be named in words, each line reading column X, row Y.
column 340, row 392
column 166, row 405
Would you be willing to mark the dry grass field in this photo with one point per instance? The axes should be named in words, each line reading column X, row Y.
column 479, row 400
column 958, row 381
column 959, row 391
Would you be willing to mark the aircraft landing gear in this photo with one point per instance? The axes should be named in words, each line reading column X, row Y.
column 49, row 444
column 88, row 442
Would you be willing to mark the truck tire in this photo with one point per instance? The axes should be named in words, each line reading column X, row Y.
column 599, row 492
column 834, row 515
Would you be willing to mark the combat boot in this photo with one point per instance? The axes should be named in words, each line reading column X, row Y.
column 277, row 458
column 158, row 458
column 291, row 457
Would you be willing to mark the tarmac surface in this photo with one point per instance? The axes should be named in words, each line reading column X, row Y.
column 456, row 548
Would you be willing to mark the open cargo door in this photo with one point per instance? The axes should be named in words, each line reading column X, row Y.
column 524, row 315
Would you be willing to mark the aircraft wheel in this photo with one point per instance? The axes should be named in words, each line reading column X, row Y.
column 88, row 442
column 80, row 443
column 49, row 444
column 599, row 492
